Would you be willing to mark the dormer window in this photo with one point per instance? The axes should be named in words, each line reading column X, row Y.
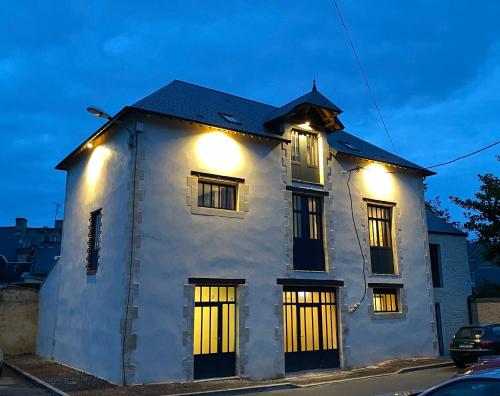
column 230, row 118
column 305, row 156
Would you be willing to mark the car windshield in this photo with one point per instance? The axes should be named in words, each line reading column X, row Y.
column 470, row 332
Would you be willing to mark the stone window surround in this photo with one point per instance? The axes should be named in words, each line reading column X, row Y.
column 242, row 192
column 395, row 237
column 401, row 297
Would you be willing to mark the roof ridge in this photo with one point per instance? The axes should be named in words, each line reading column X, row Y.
column 222, row 92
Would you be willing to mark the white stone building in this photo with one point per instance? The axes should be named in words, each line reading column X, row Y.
column 208, row 235
column 450, row 277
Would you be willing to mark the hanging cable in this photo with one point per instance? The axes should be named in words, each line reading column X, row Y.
column 363, row 74
column 354, row 307
column 464, row 156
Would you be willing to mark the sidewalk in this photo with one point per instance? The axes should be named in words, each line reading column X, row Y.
column 78, row 383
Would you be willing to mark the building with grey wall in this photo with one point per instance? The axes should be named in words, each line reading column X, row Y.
column 208, row 235
column 451, row 278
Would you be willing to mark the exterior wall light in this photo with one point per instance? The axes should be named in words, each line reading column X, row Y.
column 219, row 153
column 96, row 164
column 89, row 145
column 378, row 181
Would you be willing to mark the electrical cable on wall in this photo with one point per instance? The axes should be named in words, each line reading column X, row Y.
column 354, row 307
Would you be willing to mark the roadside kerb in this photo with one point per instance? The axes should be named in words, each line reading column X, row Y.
column 241, row 391
column 400, row 371
column 36, row 381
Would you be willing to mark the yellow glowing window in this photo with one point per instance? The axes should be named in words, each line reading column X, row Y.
column 379, row 221
column 214, row 319
column 385, row 300
column 309, row 320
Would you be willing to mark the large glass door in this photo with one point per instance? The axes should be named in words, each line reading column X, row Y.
column 310, row 328
column 214, row 337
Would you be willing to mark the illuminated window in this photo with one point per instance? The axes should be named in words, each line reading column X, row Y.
column 305, row 156
column 312, row 150
column 309, row 321
column 385, row 300
column 295, row 146
column 216, row 195
column 379, row 225
column 94, row 241
column 214, row 320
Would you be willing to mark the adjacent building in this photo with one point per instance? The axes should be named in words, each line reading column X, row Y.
column 209, row 235
column 27, row 254
column 450, row 278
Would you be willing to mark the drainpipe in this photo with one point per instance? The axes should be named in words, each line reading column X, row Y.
column 133, row 146
column 470, row 300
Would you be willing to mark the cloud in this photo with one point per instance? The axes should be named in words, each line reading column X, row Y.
column 430, row 64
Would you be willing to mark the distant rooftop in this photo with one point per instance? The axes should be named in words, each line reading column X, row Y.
column 437, row 225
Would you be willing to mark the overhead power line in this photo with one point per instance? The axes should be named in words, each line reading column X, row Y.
column 464, row 156
column 363, row 74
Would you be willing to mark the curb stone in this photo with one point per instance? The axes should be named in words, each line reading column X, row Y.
column 34, row 380
column 242, row 391
column 424, row 367
column 400, row 371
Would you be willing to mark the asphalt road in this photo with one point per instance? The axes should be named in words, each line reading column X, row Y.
column 386, row 385
column 11, row 384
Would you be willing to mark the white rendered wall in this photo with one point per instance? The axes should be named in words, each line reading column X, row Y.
column 176, row 245
column 90, row 308
column 456, row 283
column 367, row 339
column 47, row 315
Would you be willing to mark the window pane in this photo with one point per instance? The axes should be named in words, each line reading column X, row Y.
column 385, row 300
column 216, row 195
column 197, row 331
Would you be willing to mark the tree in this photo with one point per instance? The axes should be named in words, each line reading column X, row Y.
column 483, row 215
column 434, row 206
column 488, row 290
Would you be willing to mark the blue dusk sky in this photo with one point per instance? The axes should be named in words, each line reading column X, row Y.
column 434, row 67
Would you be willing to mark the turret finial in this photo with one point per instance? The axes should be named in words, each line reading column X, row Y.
column 314, row 86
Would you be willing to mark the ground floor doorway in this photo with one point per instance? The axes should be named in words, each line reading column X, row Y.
column 310, row 328
column 214, row 337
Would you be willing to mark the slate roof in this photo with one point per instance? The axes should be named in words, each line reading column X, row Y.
column 345, row 143
column 437, row 225
column 36, row 242
column 312, row 98
column 45, row 257
column 202, row 105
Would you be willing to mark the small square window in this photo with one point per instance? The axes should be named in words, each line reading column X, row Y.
column 230, row 118
column 216, row 195
column 385, row 300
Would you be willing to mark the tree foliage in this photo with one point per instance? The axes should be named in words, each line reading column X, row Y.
column 434, row 206
column 488, row 290
column 482, row 213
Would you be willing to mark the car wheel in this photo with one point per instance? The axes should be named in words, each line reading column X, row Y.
column 459, row 364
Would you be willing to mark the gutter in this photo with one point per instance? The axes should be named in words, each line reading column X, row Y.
column 64, row 164
column 424, row 171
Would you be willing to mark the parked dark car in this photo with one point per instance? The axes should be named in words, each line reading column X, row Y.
column 471, row 342
column 483, row 383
